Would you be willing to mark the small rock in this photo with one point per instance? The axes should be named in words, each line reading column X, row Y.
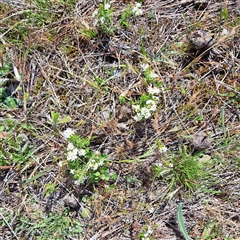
column 71, row 202
column 201, row 39
column 200, row 141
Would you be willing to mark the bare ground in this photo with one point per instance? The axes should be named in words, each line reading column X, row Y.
column 58, row 64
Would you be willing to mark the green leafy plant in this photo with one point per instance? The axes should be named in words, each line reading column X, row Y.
column 83, row 163
column 6, row 101
column 15, row 147
column 105, row 15
column 125, row 16
column 55, row 119
column 55, row 226
column 14, row 150
column 89, row 32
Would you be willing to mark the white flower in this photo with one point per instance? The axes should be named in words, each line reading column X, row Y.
column 95, row 167
column 150, row 102
column 136, row 107
column 60, row 164
column 153, row 75
column 224, row 32
column 72, row 155
column 77, row 182
column 136, row 9
column 72, row 171
column 151, row 105
column 153, row 90
column 145, row 113
column 153, row 108
column 81, row 152
column 102, row 19
column 163, row 149
column 70, row 147
column 138, row 5
column 68, row 133
column 95, row 13
column 145, row 66
column 170, row 165
column 107, row 6
column 138, row 117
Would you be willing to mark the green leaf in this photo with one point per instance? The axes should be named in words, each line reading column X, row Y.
column 85, row 213
column 54, row 117
column 37, row 176
column 207, row 230
column 181, row 222
column 64, row 119
column 11, row 102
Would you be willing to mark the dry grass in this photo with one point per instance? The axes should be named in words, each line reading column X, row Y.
column 64, row 70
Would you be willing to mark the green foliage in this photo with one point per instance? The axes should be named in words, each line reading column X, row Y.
column 83, row 163
column 143, row 99
column 89, row 32
column 14, row 150
column 15, row 147
column 122, row 99
column 186, row 170
column 125, row 16
column 224, row 14
column 5, row 69
column 105, row 20
column 55, row 226
column 55, row 119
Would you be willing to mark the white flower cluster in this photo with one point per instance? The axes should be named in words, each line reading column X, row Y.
column 95, row 162
column 163, row 149
column 153, row 90
column 136, row 10
column 150, row 74
column 147, row 234
column 72, row 152
column 145, row 112
column 150, row 107
column 107, row 6
column 68, row 133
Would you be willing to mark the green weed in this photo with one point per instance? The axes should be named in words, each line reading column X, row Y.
column 185, row 170
column 105, row 18
column 83, row 163
column 14, row 147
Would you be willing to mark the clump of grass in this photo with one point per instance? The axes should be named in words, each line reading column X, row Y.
column 186, row 170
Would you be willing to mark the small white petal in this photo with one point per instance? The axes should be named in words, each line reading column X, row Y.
column 107, row 6
column 68, row 133
column 70, row 147
column 153, row 90
column 81, row 152
column 145, row 66
column 224, row 32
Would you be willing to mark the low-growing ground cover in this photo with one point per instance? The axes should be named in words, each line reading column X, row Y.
column 119, row 119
